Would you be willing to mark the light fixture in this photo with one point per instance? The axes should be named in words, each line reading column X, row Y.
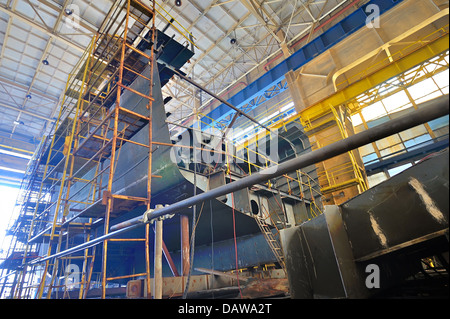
column 16, row 154
column 29, row 96
column 68, row 11
column 45, row 62
column 233, row 41
column 18, row 122
column 12, row 170
column 178, row 3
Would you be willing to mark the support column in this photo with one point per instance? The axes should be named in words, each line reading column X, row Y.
column 185, row 250
column 158, row 259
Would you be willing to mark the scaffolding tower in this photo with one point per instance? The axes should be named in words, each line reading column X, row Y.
column 92, row 127
column 18, row 251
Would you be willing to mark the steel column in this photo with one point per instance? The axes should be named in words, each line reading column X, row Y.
column 158, row 259
column 185, row 251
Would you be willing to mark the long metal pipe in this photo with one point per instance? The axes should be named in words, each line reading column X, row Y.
column 427, row 111
column 157, row 281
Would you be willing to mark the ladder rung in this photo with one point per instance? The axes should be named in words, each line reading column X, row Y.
column 127, row 276
column 132, row 142
column 125, row 239
column 135, row 198
column 138, row 51
column 134, row 113
column 136, row 92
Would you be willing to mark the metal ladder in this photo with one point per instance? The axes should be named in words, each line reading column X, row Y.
column 274, row 244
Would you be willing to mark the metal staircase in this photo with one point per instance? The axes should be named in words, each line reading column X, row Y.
column 273, row 243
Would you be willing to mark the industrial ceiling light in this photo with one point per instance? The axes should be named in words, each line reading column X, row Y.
column 233, row 41
column 68, row 11
column 45, row 62
column 178, row 3
column 29, row 96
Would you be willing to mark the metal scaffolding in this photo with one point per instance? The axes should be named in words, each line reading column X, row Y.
column 91, row 128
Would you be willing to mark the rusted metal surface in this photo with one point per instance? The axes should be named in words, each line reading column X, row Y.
column 172, row 287
column 135, row 289
column 220, row 273
column 185, row 249
column 158, row 260
column 213, row 285
column 264, row 288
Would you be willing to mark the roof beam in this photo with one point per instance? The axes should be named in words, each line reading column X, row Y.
column 23, row 87
column 25, row 112
column 50, row 33
column 21, row 109
column 8, row 27
column 59, row 8
column 44, row 53
column 258, row 11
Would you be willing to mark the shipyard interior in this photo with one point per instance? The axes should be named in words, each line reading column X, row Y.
column 224, row 149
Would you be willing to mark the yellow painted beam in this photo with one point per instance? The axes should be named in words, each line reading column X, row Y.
column 395, row 68
column 323, row 107
column 16, row 149
column 340, row 186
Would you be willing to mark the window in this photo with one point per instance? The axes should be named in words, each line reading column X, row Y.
column 397, row 102
column 373, row 111
column 414, row 143
column 381, row 108
column 356, row 119
column 422, row 90
column 442, row 81
column 372, row 158
column 376, row 179
column 398, row 169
